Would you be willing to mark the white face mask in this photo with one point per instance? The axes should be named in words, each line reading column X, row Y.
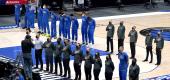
column 44, row 7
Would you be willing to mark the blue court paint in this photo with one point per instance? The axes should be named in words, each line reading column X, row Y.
column 165, row 34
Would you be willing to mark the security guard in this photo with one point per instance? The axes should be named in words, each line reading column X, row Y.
column 78, row 57
column 57, row 56
column 148, row 43
column 121, row 34
column 49, row 49
column 159, row 46
column 97, row 66
column 88, row 65
column 66, row 58
column 133, row 34
column 109, row 68
column 110, row 32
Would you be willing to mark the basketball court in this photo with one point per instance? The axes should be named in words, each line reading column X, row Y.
column 11, row 38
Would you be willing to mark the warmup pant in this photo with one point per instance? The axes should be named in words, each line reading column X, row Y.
column 74, row 35
column 17, row 18
column 27, row 57
column 66, row 63
column 26, row 21
column 88, row 73
column 108, row 76
column 60, row 29
column 67, row 34
column 38, row 57
column 120, row 43
column 84, row 36
column 158, row 54
column 40, row 23
column 53, row 30
column 58, row 62
column 91, row 36
column 133, row 49
column 109, row 40
column 77, row 69
column 149, row 50
column 122, row 74
column 46, row 27
column 49, row 61
column 96, row 74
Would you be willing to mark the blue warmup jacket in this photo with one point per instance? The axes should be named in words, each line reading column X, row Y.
column 39, row 17
column 17, row 13
column 67, row 24
column 61, row 25
column 45, row 19
column 123, row 65
column 54, row 18
column 91, row 29
column 84, row 28
column 75, row 26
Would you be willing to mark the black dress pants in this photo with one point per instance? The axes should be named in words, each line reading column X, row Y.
column 66, row 63
column 120, row 43
column 38, row 57
column 149, row 51
column 108, row 76
column 133, row 49
column 109, row 41
column 88, row 73
column 77, row 69
column 158, row 54
column 58, row 62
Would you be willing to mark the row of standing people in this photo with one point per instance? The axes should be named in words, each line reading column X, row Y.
column 66, row 23
column 61, row 52
column 133, row 35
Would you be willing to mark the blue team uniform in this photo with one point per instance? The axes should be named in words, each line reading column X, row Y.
column 61, row 25
column 45, row 19
column 67, row 24
column 75, row 26
column 40, row 14
column 27, row 7
column 123, row 65
column 91, row 29
column 17, row 14
column 31, row 18
column 84, row 28
column 53, row 24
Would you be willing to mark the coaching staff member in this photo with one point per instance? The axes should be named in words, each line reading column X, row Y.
column 133, row 34
column 121, row 34
column 110, row 32
column 159, row 46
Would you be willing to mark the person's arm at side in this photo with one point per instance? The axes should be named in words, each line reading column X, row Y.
column 136, row 36
column 129, row 34
column 162, row 43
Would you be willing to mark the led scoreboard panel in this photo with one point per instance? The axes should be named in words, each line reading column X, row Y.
column 12, row 2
